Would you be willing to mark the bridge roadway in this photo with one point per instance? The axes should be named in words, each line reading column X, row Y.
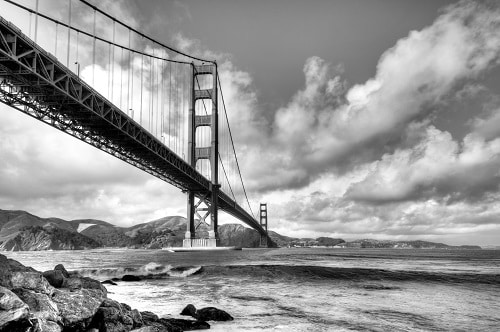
column 34, row 82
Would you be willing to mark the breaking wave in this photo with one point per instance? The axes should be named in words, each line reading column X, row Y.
column 286, row 272
column 151, row 270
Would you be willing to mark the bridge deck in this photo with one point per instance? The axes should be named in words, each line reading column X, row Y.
column 36, row 83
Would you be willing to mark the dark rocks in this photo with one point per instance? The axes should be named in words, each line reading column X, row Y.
column 185, row 324
column 54, row 277
column 31, row 280
column 112, row 316
column 109, row 282
column 206, row 314
column 129, row 277
column 62, row 301
column 77, row 308
column 148, row 317
column 13, row 311
column 41, row 305
column 60, row 267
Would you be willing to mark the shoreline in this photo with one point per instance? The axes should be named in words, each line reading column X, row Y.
column 58, row 300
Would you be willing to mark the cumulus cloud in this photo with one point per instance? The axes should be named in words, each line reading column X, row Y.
column 436, row 167
column 322, row 132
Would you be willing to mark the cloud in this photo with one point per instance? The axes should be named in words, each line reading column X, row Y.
column 321, row 133
column 437, row 167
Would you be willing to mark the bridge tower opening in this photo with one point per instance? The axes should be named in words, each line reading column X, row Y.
column 263, row 223
column 202, row 206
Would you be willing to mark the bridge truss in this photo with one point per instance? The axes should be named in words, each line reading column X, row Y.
column 36, row 83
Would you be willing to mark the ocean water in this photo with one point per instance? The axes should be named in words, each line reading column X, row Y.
column 304, row 289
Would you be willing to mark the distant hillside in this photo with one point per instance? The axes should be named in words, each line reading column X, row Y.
column 20, row 230
column 417, row 244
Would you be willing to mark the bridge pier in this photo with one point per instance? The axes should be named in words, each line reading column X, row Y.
column 203, row 204
column 263, row 223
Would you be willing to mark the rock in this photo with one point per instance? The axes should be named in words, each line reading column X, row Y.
column 185, row 324
column 129, row 277
column 206, row 314
column 112, row 316
column 42, row 325
column 160, row 328
column 40, row 305
column 74, row 283
column 54, row 277
column 77, row 307
column 148, row 317
column 13, row 311
column 32, row 281
column 189, row 310
column 60, row 267
column 109, row 282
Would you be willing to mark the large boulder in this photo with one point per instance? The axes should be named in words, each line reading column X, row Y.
column 43, row 325
column 31, row 280
column 62, row 269
column 54, row 277
column 185, row 324
column 152, row 323
column 41, row 306
column 75, row 282
column 113, row 316
column 8, row 267
column 13, row 312
column 130, row 277
column 77, row 307
column 206, row 314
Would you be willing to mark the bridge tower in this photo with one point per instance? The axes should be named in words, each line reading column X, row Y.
column 263, row 223
column 203, row 205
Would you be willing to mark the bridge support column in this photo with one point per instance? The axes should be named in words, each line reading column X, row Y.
column 190, row 230
column 263, row 223
column 207, row 201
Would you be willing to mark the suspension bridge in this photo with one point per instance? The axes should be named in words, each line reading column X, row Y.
column 94, row 77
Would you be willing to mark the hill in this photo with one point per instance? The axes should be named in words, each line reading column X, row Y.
column 20, row 230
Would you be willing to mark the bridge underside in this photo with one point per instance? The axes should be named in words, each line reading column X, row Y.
column 36, row 83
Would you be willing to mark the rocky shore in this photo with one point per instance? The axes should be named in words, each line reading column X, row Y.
column 60, row 301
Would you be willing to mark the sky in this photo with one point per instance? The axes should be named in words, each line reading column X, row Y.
column 352, row 119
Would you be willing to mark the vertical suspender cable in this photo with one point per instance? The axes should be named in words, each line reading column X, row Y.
column 113, row 65
column 77, row 39
column 55, row 47
column 93, row 53
column 69, row 33
column 142, row 70
column 157, row 110
column 162, row 99
column 129, row 95
column 150, row 95
column 132, row 87
column 29, row 29
column 121, row 78
column 109, row 71
column 169, row 102
column 36, row 21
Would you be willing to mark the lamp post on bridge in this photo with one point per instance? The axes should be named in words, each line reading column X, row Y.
column 77, row 68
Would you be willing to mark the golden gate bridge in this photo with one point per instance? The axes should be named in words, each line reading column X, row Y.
column 96, row 78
